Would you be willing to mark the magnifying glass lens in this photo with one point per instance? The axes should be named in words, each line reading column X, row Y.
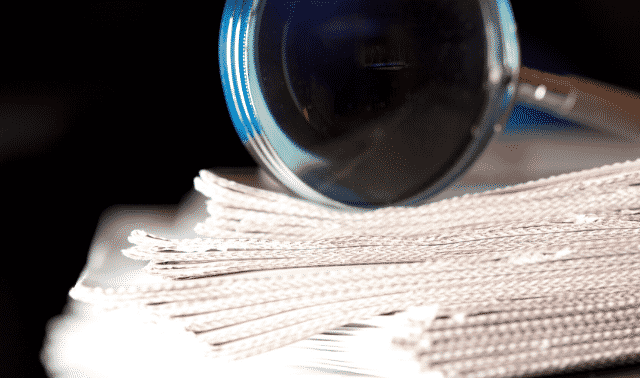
column 384, row 93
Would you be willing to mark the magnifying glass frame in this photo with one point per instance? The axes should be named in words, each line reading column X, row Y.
column 277, row 153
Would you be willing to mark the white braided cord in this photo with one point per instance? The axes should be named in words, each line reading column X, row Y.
column 528, row 279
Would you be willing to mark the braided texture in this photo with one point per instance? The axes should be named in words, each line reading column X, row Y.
column 529, row 279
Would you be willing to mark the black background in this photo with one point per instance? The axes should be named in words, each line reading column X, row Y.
column 137, row 109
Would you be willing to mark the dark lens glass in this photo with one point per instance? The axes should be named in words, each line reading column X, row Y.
column 385, row 93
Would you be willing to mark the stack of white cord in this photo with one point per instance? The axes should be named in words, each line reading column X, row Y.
column 533, row 278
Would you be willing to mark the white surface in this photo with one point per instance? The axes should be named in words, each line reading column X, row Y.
column 118, row 344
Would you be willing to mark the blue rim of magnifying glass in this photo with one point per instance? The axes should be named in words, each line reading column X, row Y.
column 281, row 156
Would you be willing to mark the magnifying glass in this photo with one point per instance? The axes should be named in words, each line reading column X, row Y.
column 364, row 104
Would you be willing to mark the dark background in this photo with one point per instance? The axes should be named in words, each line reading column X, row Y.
column 121, row 103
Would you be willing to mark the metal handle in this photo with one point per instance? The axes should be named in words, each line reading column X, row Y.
column 601, row 106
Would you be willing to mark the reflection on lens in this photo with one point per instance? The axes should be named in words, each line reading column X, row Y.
column 385, row 93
